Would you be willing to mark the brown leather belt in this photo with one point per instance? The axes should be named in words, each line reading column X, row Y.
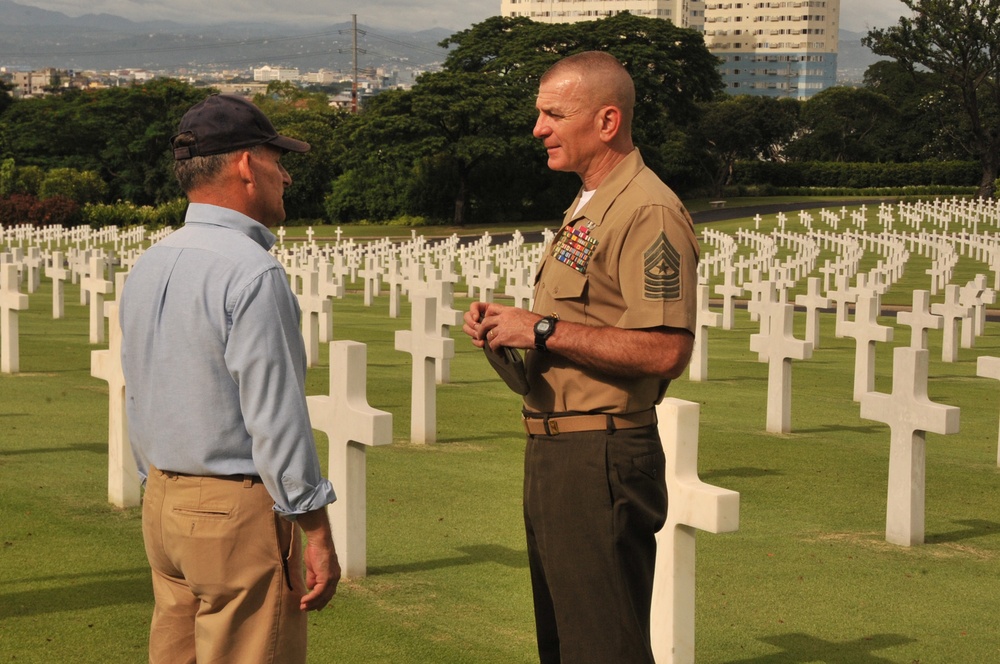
column 553, row 425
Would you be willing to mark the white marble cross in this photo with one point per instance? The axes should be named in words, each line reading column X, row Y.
column 953, row 313
column 698, row 366
column 866, row 331
column 32, row 270
column 329, row 287
column 520, row 286
column 11, row 302
column 909, row 414
column 445, row 315
column 693, row 505
column 485, row 280
column 813, row 302
column 372, row 275
column 351, row 425
column 842, row 296
column 394, row 279
column 123, row 477
column 97, row 287
column 58, row 273
column 778, row 347
column 424, row 342
column 728, row 290
column 315, row 307
column 920, row 319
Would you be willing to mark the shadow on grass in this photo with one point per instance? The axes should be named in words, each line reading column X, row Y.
column 746, row 472
column 473, row 555
column 120, row 587
column 973, row 528
column 800, row 648
column 94, row 448
column 485, row 437
column 841, row 427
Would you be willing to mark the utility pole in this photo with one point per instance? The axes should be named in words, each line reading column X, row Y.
column 354, row 85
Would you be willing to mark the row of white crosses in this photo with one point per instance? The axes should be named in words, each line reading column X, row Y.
column 769, row 327
column 907, row 410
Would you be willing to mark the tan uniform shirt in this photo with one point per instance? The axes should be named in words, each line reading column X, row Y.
column 628, row 259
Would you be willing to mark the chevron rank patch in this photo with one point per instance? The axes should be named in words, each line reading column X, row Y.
column 574, row 247
column 662, row 270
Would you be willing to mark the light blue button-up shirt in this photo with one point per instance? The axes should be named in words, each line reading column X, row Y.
column 214, row 361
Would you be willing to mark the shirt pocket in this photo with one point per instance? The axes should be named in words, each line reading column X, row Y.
column 566, row 284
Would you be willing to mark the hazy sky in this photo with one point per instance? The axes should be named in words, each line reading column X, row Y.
column 855, row 15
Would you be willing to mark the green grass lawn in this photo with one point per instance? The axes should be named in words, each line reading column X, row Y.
column 807, row 578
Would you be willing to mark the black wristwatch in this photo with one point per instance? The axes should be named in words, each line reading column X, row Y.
column 543, row 330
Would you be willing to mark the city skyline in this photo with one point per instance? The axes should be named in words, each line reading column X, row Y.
column 855, row 15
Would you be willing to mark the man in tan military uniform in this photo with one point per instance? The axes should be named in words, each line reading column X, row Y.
column 613, row 321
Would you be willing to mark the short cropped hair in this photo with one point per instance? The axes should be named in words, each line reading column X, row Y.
column 197, row 172
column 607, row 80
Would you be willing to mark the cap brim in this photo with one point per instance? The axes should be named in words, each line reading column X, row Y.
column 289, row 144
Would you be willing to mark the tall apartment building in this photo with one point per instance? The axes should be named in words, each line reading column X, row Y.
column 777, row 48
column 684, row 13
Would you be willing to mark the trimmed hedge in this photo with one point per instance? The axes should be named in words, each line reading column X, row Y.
column 858, row 175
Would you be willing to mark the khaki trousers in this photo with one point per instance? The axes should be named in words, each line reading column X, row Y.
column 227, row 573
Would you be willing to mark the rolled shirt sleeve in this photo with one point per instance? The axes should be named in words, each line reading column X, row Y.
column 266, row 358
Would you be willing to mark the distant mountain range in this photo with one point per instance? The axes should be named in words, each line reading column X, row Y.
column 32, row 38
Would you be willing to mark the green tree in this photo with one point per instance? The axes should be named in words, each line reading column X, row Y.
column 742, row 127
column 434, row 137
column 461, row 138
column 841, row 124
column 5, row 98
column 914, row 133
column 120, row 133
column 79, row 186
column 308, row 117
column 672, row 68
column 960, row 41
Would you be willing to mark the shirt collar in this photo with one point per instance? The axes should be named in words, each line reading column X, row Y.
column 204, row 214
column 609, row 189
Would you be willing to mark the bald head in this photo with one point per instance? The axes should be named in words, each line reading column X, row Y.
column 603, row 78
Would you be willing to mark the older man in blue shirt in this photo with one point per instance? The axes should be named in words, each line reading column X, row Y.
column 215, row 369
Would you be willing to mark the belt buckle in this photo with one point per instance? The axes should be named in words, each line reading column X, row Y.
column 551, row 427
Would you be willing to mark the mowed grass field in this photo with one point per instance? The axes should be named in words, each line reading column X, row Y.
column 807, row 578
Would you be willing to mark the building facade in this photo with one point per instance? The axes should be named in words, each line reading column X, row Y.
column 267, row 73
column 775, row 48
column 684, row 13
column 33, row 83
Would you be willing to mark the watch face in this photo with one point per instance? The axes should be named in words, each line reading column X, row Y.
column 543, row 326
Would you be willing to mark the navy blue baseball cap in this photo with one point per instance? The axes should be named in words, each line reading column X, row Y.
column 225, row 123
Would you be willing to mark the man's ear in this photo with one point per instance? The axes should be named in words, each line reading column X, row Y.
column 609, row 122
column 245, row 169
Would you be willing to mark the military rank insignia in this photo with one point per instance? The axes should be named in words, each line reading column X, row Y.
column 662, row 270
column 574, row 247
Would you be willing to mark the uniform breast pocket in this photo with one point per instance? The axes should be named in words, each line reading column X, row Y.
column 567, row 284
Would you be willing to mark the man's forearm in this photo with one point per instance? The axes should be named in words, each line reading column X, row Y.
column 662, row 352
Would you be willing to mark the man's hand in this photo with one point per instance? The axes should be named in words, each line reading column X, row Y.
column 322, row 567
column 472, row 323
column 500, row 325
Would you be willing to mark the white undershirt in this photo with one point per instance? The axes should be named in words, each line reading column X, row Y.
column 584, row 198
